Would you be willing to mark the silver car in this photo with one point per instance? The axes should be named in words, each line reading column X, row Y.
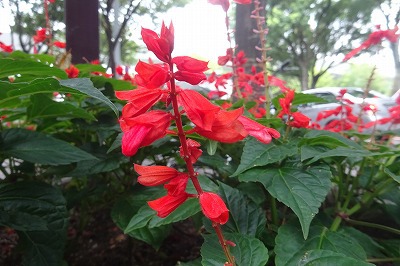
column 374, row 100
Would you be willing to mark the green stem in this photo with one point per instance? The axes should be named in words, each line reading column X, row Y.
column 274, row 212
column 383, row 259
column 336, row 223
column 373, row 225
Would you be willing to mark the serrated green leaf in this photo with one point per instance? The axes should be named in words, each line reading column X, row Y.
column 9, row 67
column 246, row 217
column 259, row 154
column 44, row 107
column 41, row 245
column 85, row 85
column 303, row 190
column 40, row 148
column 291, row 248
column 370, row 246
column 249, row 251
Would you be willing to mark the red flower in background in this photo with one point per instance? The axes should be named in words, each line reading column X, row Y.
column 40, row 36
column 373, row 39
column 214, row 207
column 223, row 3
column 72, row 72
column 163, row 45
column 6, row 48
column 60, row 44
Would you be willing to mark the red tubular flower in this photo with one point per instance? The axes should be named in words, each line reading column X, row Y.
column 214, row 207
column 177, row 185
column 199, row 110
column 167, row 204
column 40, row 36
column 155, row 175
column 299, row 120
column 286, row 103
column 143, row 130
column 193, row 78
column 119, row 70
column 151, row 76
column 260, row 132
column 72, row 72
column 161, row 46
column 59, row 44
column 223, row 3
column 6, row 48
column 139, row 100
column 193, row 149
column 226, row 127
column 187, row 63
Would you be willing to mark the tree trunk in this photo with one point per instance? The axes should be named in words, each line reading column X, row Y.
column 246, row 39
column 82, row 26
column 303, row 75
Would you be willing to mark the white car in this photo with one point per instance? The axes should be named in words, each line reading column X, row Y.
column 374, row 100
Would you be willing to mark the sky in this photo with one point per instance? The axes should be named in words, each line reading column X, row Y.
column 200, row 32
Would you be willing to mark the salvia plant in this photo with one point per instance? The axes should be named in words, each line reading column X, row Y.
column 258, row 180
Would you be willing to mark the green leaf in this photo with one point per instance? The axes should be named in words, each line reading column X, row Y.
column 44, row 58
column 292, row 249
column 339, row 152
column 371, row 247
column 9, row 67
column 39, row 148
column 87, row 68
column 249, row 251
column 44, row 107
column 328, row 139
column 392, row 175
column 118, row 85
column 328, row 258
column 85, row 85
column 302, row 189
column 152, row 236
column 246, row 217
column 303, row 98
column 211, row 146
column 42, row 243
column 259, row 154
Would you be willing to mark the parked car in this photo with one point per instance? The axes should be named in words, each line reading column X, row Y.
column 377, row 103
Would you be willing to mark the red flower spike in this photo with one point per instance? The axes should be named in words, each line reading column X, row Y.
column 199, row 110
column 187, row 63
column 154, row 175
column 223, row 3
column 167, row 204
column 162, row 46
column 72, row 72
column 40, row 36
column 140, row 100
column 143, row 130
column 193, row 78
column 152, row 76
column 194, row 151
column 214, row 207
column 260, row 132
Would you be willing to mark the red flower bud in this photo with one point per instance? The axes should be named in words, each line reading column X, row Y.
column 214, row 207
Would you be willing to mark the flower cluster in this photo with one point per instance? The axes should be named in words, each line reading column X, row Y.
column 293, row 119
column 142, row 124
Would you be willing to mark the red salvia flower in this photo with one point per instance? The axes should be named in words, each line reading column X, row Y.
column 139, row 100
column 119, row 70
column 155, row 175
column 193, row 149
column 6, row 48
column 177, row 185
column 190, row 77
column 59, row 44
column 152, row 76
column 187, row 63
column 262, row 133
column 299, row 120
column 143, row 130
column 214, row 207
column 167, row 204
column 72, row 72
column 163, row 45
column 40, row 36
column 223, row 3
